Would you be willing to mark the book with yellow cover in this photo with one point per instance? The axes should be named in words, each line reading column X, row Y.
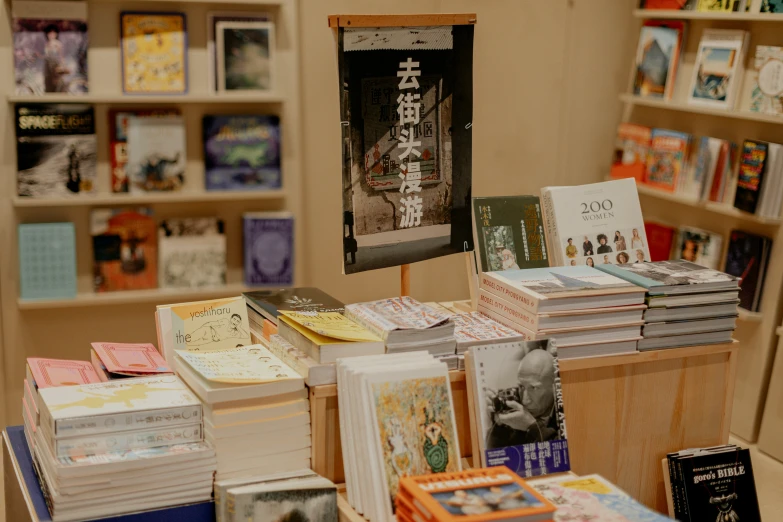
column 326, row 348
column 154, row 47
column 331, row 324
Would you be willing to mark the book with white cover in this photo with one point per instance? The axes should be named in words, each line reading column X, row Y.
column 120, row 404
column 156, row 154
column 717, row 73
column 473, row 329
column 308, row 498
column 314, row 373
column 398, row 318
column 253, row 364
column 222, row 486
column 606, row 215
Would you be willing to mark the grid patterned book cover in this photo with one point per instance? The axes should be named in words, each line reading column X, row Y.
column 47, row 260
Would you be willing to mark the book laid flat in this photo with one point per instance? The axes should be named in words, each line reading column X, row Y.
column 606, row 216
column 474, row 328
column 684, row 327
column 47, row 373
column 498, row 381
column 133, row 360
column 398, row 319
column 328, row 348
column 331, row 324
column 222, row 486
column 676, row 341
column 269, row 303
column 253, row 364
column 674, row 277
column 662, row 314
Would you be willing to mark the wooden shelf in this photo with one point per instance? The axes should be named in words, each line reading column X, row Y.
column 698, row 109
column 131, row 99
column 697, row 15
column 153, row 295
column 718, row 208
column 148, row 199
column 262, row 3
column 750, row 317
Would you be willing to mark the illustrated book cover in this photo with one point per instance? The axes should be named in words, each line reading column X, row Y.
column 661, row 239
column 245, row 56
column 55, row 150
column 657, row 58
column 331, row 324
column 594, row 224
column 118, row 137
column 666, row 277
column 252, row 364
column 242, row 152
column 125, row 253
column 50, row 41
column 700, row 246
column 518, row 407
column 213, row 17
column 509, row 233
column 156, row 154
column 630, row 152
column 49, row 373
column 192, row 253
column 154, row 53
column 269, row 248
column 406, row 103
column 772, row 6
column 766, row 95
column 752, row 170
column 668, row 159
column 717, row 73
column 131, row 359
column 476, row 328
column 269, row 303
column 312, row 500
column 395, row 313
column 47, row 260
column 746, row 258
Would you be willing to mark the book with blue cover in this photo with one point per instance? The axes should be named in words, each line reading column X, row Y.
column 269, row 248
column 242, row 152
column 47, row 260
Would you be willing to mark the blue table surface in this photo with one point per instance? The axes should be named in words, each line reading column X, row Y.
column 200, row 512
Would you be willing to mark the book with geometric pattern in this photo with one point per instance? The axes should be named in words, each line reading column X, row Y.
column 47, row 261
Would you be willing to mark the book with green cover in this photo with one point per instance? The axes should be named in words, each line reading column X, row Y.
column 509, row 233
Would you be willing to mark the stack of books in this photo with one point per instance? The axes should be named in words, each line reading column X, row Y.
column 688, row 304
column 256, row 412
column 124, row 360
column 298, row 495
column 494, row 493
column 266, row 305
column 396, row 420
column 586, row 311
column 98, row 446
column 406, row 325
column 313, row 372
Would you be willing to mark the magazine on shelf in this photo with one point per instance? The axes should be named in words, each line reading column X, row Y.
column 245, row 56
column 154, row 53
column 192, row 253
column 125, row 253
column 717, row 73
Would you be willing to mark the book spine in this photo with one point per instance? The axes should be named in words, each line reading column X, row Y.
column 508, row 310
column 127, row 441
column 495, row 286
column 124, row 421
column 358, row 317
column 315, row 374
column 527, row 335
column 550, row 223
column 681, row 494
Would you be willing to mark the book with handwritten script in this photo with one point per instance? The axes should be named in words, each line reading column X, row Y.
column 244, row 365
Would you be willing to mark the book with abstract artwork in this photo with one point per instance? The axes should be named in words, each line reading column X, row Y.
column 154, row 53
column 717, row 73
column 657, row 57
column 269, row 248
column 192, row 253
column 156, row 154
column 125, row 249
column 213, row 18
column 245, row 56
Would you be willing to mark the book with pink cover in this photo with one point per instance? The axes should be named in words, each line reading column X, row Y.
column 49, row 373
column 131, row 360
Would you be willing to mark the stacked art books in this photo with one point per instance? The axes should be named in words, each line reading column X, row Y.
column 97, row 445
column 475, row 495
column 687, row 304
column 707, row 484
column 516, row 407
column 265, row 305
column 406, row 325
column 396, row 420
column 586, row 311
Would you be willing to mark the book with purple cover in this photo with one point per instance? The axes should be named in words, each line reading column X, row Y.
column 269, row 248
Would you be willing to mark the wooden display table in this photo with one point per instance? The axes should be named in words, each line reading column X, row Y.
column 623, row 414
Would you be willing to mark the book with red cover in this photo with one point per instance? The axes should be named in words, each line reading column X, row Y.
column 125, row 249
column 630, row 152
column 660, row 238
column 49, row 373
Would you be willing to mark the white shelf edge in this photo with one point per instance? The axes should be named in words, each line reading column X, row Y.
column 750, row 317
column 153, row 295
column 131, row 99
column 696, row 109
column 141, row 199
column 698, row 15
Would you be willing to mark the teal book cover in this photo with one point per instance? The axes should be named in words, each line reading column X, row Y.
column 47, row 261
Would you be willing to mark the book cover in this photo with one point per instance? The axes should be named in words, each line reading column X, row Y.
column 406, row 107
column 294, row 504
column 772, row 6
column 253, row 364
column 396, row 313
column 126, row 440
column 509, row 233
column 593, row 224
column 245, row 56
column 720, row 486
column 660, row 239
column 118, row 138
column 269, row 303
column 269, row 248
column 680, row 5
column 475, row 327
column 657, row 55
column 213, row 17
column 494, row 493
column 48, row 373
column 131, row 359
column 543, row 283
column 47, row 260
column 718, row 5
column 50, row 47
column 752, row 168
column 700, row 246
column 670, row 273
column 331, row 324
column 717, row 73
column 766, row 94
column 192, row 253
column 154, row 53
column 55, row 150
column 518, row 408
column 156, row 154
column 218, row 324
column 668, row 159
column 124, row 249
column 242, row 152
column 746, row 258
column 630, row 152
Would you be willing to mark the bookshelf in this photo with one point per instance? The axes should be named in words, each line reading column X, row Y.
column 153, row 99
column 149, row 199
column 755, row 331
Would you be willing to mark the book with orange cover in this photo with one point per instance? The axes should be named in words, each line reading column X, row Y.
column 630, row 152
column 476, row 495
column 48, row 373
column 132, row 360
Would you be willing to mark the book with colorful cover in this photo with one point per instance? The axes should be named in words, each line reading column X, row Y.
column 494, row 493
column 475, row 327
column 48, row 373
column 269, row 303
column 253, row 364
column 242, row 152
column 700, row 246
column 154, row 53
column 47, row 261
column 752, row 169
column 717, row 73
column 718, row 5
column 124, row 249
column 395, row 313
column 509, row 232
column 131, row 359
column 766, row 94
column 657, row 58
column 630, row 152
column 156, row 154
column 192, row 253
column 269, row 248
column 331, row 324
column 668, row 159
column 660, row 238
column 772, row 6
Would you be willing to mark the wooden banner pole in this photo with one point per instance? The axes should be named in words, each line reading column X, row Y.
column 405, row 279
